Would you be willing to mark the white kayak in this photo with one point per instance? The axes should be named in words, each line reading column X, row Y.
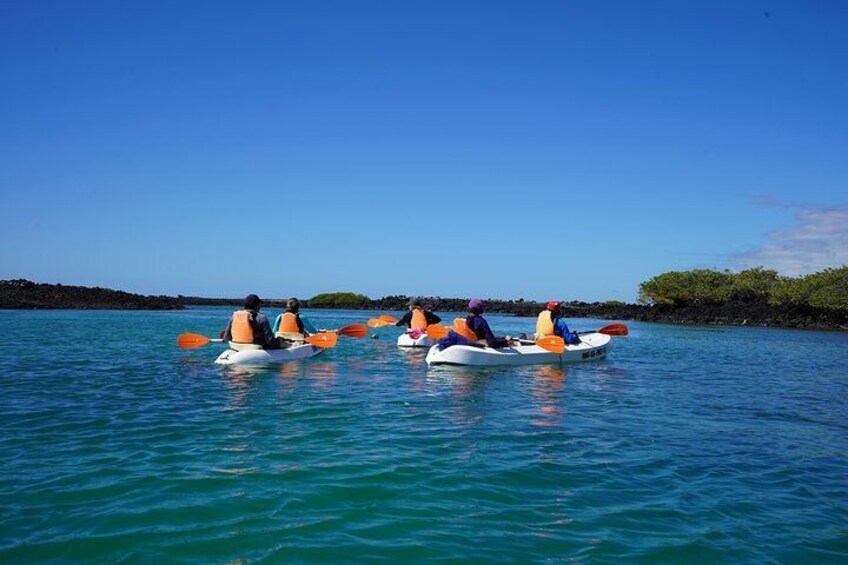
column 263, row 356
column 593, row 346
column 405, row 340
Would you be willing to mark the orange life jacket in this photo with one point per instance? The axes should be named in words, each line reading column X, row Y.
column 460, row 326
column 419, row 320
column 545, row 324
column 241, row 329
column 288, row 323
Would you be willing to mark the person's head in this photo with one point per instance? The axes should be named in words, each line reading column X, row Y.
column 414, row 303
column 293, row 305
column 252, row 302
column 476, row 306
column 555, row 307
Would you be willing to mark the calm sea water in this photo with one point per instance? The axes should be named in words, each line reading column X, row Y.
column 687, row 445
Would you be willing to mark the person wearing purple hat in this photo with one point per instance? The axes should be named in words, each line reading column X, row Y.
column 473, row 329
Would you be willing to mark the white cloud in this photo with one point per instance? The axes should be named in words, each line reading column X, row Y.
column 817, row 241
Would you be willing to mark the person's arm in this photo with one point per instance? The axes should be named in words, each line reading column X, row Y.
column 484, row 330
column 561, row 329
column 277, row 321
column 406, row 320
column 307, row 325
column 432, row 318
column 227, row 334
column 267, row 335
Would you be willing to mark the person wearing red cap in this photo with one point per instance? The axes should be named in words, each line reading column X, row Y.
column 551, row 322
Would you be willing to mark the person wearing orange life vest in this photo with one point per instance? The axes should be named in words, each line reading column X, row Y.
column 473, row 329
column 291, row 322
column 249, row 326
column 551, row 322
column 418, row 317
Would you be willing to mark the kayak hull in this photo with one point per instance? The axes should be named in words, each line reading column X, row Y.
column 405, row 340
column 264, row 356
column 594, row 346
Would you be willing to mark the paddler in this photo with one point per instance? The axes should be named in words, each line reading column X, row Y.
column 418, row 317
column 249, row 326
column 551, row 322
column 473, row 329
column 291, row 324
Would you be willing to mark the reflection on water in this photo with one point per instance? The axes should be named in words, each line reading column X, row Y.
column 548, row 381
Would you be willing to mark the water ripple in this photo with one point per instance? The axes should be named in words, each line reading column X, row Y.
column 686, row 445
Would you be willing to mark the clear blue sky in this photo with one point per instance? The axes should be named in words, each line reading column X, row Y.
column 495, row 149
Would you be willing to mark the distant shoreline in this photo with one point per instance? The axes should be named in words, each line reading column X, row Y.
column 26, row 295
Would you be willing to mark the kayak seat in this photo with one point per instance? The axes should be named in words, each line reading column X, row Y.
column 291, row 336
column 243, row 346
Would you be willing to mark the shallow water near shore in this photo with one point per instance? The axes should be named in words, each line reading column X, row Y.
column 686, row 445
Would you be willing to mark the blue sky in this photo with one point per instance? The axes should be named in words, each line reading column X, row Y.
column 495, row 149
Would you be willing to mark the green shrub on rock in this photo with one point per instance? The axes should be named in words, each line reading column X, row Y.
column 338, row 300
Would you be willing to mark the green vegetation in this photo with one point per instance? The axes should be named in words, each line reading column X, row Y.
column 825, row 290
column 339, row 300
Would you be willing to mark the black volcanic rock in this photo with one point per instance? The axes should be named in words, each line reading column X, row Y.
column 22, row 294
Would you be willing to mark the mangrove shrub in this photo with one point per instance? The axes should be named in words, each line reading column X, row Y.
column 826, row 289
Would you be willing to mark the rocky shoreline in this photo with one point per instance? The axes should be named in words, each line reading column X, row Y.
column 756, row 313
column 23, row 294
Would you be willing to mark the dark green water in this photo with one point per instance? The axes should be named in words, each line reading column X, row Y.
column 687, row 445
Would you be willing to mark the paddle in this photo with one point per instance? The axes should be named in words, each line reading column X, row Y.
column 552, row 343
column 352, row 330
column 324, row 340
column 383, row 320
column 190, row 340
column 437, row 331
column 612, row 329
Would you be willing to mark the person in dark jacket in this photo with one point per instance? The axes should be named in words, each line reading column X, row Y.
column 422, row 316
column 249, row 326
column 474, row 329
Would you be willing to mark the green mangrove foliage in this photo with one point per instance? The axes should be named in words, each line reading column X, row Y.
column 827, row 290
column 338, row 300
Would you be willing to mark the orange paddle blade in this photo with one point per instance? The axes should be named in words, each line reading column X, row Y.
column 552, row 343
column 388, row 319
column 353, row 330
column 377, row 323
column 190, row 340
column 614, row 329
column 325, row 340
column 436, row 331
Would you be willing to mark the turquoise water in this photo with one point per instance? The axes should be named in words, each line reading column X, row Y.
column 687, row 445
